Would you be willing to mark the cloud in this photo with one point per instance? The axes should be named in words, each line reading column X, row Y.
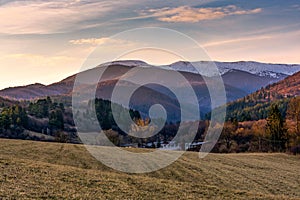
column 295, row 7
column 90, row 41
column 104, row 40
column 192, row 15
column 60, row 16
column 237, row 40
column 44, row 17
column 256, row 38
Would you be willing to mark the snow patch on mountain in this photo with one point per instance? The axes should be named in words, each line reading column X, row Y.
column 204, row 68
column 260, row 69
column 271, row 74
column 208, row 68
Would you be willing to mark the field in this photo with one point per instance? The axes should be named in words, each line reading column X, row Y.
column 34, row 170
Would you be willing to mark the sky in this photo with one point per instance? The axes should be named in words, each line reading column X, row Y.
column 45, row 41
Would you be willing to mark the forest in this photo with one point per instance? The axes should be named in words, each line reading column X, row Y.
column 250, row 126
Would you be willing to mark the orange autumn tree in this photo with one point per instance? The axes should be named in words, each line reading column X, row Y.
column 293, row 114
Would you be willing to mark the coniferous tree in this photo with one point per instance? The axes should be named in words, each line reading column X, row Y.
column 276, row 129
column 56, row 119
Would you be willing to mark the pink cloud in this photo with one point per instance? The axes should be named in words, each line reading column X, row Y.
column 192, row 15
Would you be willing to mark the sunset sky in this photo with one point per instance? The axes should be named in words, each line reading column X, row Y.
column 45, row 41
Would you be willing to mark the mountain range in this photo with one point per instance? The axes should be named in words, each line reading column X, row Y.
column 254, row 75
column 240, row 79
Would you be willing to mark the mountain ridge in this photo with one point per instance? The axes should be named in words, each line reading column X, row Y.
column 260, row 69
column 59, row 88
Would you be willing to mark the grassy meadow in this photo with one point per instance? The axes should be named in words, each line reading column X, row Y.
column 35, row 170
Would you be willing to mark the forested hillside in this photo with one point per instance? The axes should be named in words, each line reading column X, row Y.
column 257, row 105
column 252, row 125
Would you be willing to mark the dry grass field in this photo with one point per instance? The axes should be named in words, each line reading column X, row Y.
column 34, row 170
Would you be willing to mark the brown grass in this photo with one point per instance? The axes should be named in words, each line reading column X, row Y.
column 34, row 170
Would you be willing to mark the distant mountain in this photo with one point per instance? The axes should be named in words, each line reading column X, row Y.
column 7, row 102
column 245, row 76
column 279, row 71
column 238, row 83
column 151, row 94
column 246, row 81
column 32, row 91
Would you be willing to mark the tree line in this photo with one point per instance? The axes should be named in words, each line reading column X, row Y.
column 279, row 131
column 276, row 130
column 43, row 116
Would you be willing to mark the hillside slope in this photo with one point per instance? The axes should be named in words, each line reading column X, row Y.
column 289, row 87
column 7, row 102
column 256, row 106
column 60, row 171
column 246, row 81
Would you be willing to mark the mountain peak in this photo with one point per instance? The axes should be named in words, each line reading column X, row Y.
column 129, row 63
